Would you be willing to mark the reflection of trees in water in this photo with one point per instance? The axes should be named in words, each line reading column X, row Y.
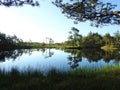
column 47, row 52
column 117, row 56
column 96, row 55
column 107, row 56
column 91, row 55
column 10, row 54
column 13, row 54
column 110, row 55
column 74, row 59
column 28, row 51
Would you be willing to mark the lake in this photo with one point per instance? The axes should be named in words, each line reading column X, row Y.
column 61, row 60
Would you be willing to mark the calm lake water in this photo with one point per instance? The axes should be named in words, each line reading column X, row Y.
column 62, row 60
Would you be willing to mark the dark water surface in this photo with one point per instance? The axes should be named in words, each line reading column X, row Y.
column 62, row 60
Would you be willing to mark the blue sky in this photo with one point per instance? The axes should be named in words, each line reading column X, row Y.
column 37, row 23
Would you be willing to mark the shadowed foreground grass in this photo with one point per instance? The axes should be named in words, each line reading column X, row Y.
column 107, row 78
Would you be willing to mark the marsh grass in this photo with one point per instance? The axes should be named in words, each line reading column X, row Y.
column 109, row 48
column 107, row 78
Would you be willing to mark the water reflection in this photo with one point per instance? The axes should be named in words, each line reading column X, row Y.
column 10, row 54
column 92, row 56
column 96, row 55
column 13, row 54
column 74, row 58
column 47, row 52
column 45, row 59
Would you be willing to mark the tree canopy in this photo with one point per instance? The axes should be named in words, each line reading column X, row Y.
column 96, row 11
column 9, row 3
column 74, row 36
column 93, row 40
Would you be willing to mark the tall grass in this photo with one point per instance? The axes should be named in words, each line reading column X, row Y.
column 107, row 78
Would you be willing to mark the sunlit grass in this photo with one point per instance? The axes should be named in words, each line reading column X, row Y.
column 109, row 47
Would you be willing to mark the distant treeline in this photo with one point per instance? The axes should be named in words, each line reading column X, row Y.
column 13, row 42
column 7, row 41
column 75, row 40
column 92, row 40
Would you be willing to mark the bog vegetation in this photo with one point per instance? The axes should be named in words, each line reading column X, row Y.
column 107, row 78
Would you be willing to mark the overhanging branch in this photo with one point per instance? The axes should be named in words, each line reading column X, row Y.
column 9, row 3
column 92, row 10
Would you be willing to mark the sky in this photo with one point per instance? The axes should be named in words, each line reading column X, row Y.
column 37, row 23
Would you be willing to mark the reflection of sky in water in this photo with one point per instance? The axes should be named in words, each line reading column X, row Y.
column 59, row 61
column 94, row 65
column 36, row 61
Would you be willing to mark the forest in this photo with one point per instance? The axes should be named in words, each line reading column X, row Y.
column 75, row 40
column 93, row 40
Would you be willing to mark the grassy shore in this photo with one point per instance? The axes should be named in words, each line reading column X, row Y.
column 107, row 78
column 109, row 47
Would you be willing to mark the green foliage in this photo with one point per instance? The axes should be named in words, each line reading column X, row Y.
column 108, row 39
column 9, row 3
column 96, row 11
column 7, row 41
column 117, row 38
column 74, row 36
column 93, row 40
